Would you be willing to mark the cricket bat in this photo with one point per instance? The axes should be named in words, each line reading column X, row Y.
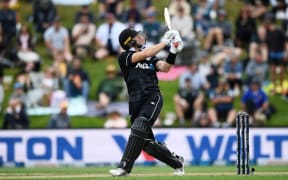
column 168, row 22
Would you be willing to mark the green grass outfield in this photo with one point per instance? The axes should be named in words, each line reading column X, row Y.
column 151, row 173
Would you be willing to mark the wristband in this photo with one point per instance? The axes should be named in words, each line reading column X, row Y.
column 171, row 58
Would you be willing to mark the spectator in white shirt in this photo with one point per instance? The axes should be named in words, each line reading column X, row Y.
column 107, row 37
column 57, row 39
column 115, row 120
column 83, row 35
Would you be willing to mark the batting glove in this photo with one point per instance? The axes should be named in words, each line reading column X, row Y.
column 176, row 45
column 169, row 36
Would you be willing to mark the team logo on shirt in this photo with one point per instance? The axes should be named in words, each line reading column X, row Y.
column 144, row 66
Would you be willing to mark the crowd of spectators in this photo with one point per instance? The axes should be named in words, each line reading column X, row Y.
column 226, row 59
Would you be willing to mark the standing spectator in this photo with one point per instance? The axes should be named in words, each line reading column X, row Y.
column 57, row 39
column 245, row 28
column 219, row 31
column 84, row 11
column 8, row 25
column 83, row 35
column 115, row 120
column 233, row 73
column 60, row 120
column 257, row 68
column 188, row 102
column 110, row 6
column 15, row 116
column 152, row 27
column 109, row 88
column 255, row 102
column 222, row 101
column 78, row 82
column 277, row 45
column 44, row 12
column 184, row 24
column 107, row 37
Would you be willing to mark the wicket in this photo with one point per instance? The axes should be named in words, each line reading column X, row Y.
column 242, row 129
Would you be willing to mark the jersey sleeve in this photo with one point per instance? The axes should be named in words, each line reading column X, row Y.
column 125, row 59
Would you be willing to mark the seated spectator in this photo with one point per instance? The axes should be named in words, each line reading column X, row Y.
column 222, row 101
column 83, row 35
column 8, row 27
column 60, row 120
column 109, row 88
column 255, row 102
column 132, row 17
column 84, row 11
column 175, row 4
column 197, row 79
column 107, row 37
column 57, row 39
column 245, row 28
column 15, row 116
column 257, row 68
column 78, row 81
column 257, row 7
column 220, row 31
column 208, row 70
column 188, row 102
column 18, row 93
column 144, row 6
column 202, row 17
column 184, row 24
column 152, row 27
column 280, row 9
column 24, row 78
column 44, row 12
column 115, row 120
column 233, row 73
column 40, row 95
column 111, row 6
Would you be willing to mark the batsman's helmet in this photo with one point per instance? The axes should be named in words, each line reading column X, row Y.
column 126, row 38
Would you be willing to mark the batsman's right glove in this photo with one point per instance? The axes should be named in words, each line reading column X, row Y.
column 169, row 36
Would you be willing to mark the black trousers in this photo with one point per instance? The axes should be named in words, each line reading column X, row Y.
column 148, row 108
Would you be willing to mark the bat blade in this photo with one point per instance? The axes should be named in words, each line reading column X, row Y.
column 167, row 18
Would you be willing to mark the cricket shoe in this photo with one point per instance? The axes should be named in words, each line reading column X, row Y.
column 179, row 171
column 118, row 172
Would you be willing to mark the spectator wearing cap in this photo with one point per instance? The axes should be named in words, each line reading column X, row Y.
column 152, row 27
column 222, row 105
column 60, row 120
column 255, row 102
column 15, row 116
column 44, row 12
column 184, row 24
column 107, row 43
column 84, row 11
column 115, row 120
column 83, row 35
column 18, row 93
column 57, row 39
column 8, row 25
column 219, row 31
column 109, row 88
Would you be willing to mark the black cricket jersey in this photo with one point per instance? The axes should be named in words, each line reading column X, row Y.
column 140, row 77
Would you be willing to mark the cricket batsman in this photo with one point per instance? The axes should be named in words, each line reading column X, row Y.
column 139, row 66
